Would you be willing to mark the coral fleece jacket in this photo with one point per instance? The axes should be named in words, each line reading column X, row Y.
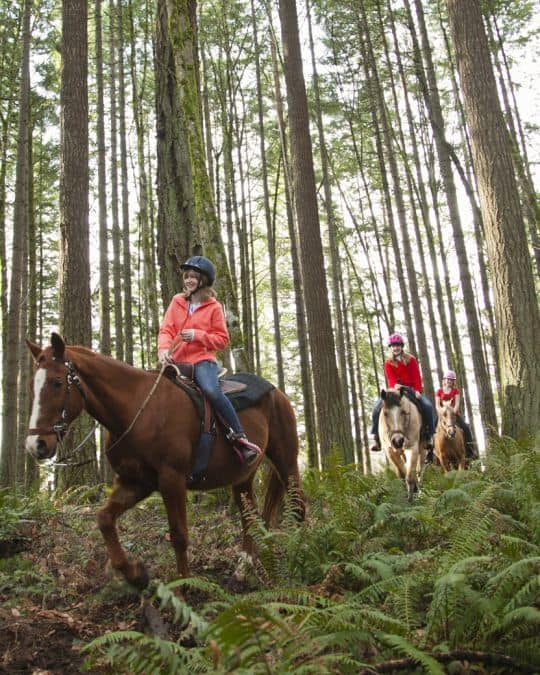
column 208, row 322
column 402, row 372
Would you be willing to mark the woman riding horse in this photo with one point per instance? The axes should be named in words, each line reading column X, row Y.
column 449, row 393
column 192, row 330
column 401, row 369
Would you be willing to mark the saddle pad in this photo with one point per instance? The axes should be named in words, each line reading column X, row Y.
column 256, row 388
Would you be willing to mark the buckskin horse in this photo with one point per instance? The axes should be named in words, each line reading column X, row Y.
column 153, row 433
column 449, row 440
column 400, row 425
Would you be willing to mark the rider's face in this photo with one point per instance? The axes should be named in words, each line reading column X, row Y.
column 191, row 280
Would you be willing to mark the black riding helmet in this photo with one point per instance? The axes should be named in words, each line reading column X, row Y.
column 201, row 264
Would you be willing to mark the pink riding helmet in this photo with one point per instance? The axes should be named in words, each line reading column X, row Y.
column 395, row 339
column 450, row 375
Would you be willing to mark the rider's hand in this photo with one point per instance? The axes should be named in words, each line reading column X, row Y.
column 164, row 357
column 188, row 335
column 417, row 394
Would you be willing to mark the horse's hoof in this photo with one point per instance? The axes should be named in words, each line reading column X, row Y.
column 139, row 579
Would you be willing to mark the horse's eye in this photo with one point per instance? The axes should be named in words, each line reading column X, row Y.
column 56, row 384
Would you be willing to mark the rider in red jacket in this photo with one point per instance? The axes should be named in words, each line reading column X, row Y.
column 402, row 368
column 192, row 330
column 449, row 392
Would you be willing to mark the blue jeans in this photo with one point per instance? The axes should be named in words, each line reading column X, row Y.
column 428, row 415
column 206, row 376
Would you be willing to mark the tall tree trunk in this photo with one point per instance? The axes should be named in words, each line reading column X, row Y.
column 115, row 216
column 147, row 278
column 266, row 204
column 336, row 279
column 187, row 222
column 104, row 289
column 8, row 460
column 75, row 307
column 433, row 104
column 300, row 316
column 518, row 319
column 334, row 423
column 126, row 245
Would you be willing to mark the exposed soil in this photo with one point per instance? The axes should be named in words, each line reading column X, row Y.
column 58, row 592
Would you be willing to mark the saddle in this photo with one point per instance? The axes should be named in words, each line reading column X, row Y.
column 242, row 389
column 409, row 393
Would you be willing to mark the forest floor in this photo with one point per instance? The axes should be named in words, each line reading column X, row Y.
column 58, row 591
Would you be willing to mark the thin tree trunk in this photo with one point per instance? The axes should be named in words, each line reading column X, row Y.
column 8, row 460
column 116, row 234
column 126, row 245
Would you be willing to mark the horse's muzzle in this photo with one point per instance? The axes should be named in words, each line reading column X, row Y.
column 40, row 448
column 397, row 441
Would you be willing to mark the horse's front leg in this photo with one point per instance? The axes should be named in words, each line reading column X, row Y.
column 123, row 497
column 411, row 455
column 172, row 485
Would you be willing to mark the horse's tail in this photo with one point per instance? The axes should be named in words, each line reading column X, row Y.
column 282, row 451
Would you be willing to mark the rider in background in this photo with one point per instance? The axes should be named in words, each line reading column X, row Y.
column 449, row 392
column 401, row 368
column 192, row 330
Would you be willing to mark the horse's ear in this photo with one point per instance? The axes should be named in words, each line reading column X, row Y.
column 383, row 394
column 58, row 346
column 35, row 350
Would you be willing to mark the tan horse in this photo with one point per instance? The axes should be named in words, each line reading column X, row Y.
column 153, row 433
column 449, row 440
column 400, row 424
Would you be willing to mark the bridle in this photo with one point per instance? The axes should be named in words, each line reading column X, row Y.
column 60, row 428
column 449, row 429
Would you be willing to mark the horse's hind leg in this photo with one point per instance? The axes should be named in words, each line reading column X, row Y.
column 282, row 451
column 283, row 475
column 245, row 500
column 123, row 497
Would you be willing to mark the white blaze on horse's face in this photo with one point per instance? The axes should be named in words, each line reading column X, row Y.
column 394, row 424
column 39, row 382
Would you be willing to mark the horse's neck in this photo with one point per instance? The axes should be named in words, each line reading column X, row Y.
column 104, row 382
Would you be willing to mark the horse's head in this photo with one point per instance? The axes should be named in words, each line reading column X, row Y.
column 396, row 412
column 58, row 398
column 447, row 418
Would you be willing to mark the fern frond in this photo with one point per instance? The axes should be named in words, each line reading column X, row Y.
column 403, row 646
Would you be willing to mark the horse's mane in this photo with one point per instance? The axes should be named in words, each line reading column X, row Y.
column 87, row 352
column 392, row 398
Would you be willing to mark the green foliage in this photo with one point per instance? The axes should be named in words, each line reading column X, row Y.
column 16, row 511
column 367, row 579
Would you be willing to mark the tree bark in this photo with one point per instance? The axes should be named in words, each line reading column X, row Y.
column 75, row 306
column 21, row 217
column 334, row 422
column 516, row 305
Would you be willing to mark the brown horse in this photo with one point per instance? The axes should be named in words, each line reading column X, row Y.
column 449, row 440
column 400, row 424
column 153, row 432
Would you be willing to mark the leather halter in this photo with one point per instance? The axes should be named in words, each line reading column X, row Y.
column 59, row 429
